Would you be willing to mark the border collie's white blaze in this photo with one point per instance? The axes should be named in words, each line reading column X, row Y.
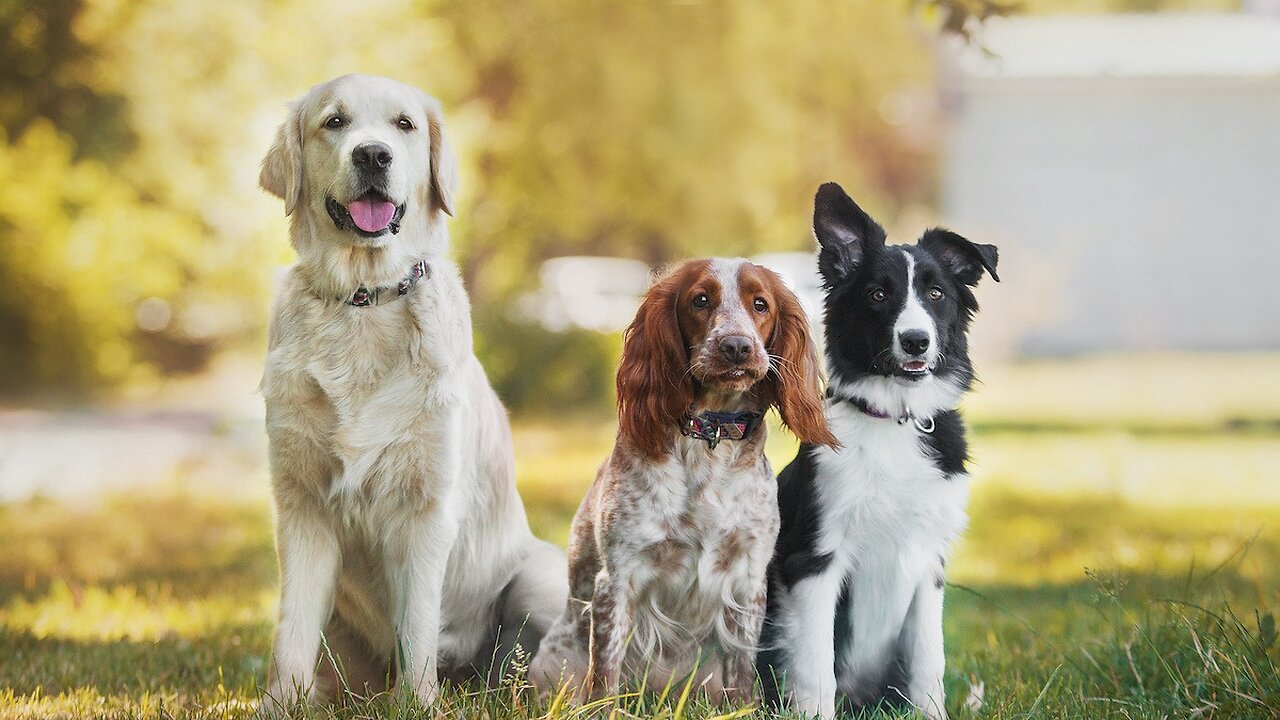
column 856, row 582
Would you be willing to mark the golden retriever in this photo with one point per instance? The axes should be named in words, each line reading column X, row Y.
column 402, row 541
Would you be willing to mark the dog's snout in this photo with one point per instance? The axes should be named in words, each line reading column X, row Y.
column 736, row 348
column 914, row 342
column 371, row 156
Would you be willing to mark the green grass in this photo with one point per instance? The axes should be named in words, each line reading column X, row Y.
column 1105, row 574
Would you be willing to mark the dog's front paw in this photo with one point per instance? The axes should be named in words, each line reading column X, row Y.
column 423, row 694
column 811, row 703
column 281, row 700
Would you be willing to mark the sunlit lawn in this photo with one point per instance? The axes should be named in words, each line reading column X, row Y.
column 1105, row 574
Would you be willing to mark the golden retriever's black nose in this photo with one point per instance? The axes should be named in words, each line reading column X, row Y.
column 369, row 156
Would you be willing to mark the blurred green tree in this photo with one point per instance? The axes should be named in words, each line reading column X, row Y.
column 136, row 242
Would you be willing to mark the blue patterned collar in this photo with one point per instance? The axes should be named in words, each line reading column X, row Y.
column 716, row 426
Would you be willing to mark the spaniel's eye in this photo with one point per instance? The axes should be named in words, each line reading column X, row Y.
column 761, row 305
column 335, row 121
column 701, row 300
column 878, row 295
column 404, row 123
column 935, row 294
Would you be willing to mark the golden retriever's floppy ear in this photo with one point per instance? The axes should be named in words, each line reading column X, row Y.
column 444, row 166
column 794, row 380
column 282, row 167
column 654, row 387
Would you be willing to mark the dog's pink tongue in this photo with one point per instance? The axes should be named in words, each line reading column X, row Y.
column 371, row 215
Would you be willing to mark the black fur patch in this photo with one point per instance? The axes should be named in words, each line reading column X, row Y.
column 794, row 556
column 794, row 559
column 947, row 443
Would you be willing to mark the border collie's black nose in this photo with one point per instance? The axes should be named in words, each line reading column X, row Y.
column 736, row 348
column 914, row 342
column 370, row 156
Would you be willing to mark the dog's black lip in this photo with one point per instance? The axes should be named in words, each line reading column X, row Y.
column 342, row 219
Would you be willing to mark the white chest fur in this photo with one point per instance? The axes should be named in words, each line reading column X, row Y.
column 889, row 517
column 883, row 492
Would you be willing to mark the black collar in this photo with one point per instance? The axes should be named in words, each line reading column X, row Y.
column 716, row 426
column 923, row 424
column 372, row 297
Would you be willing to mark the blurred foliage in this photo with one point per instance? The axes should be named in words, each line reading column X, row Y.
column 535, row 370
column 139, row 244
column 136, row 242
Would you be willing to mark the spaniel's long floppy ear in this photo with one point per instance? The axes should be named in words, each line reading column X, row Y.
column 794, row 377
column 281, row 173
column 654, row 385
column 444, row 165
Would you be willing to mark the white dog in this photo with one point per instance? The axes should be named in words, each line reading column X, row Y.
column 402, row 541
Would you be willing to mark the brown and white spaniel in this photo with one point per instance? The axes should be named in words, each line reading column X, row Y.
column 668, row 550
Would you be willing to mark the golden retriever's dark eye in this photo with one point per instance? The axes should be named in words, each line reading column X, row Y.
column 701, row 301
column 334, row 122
column 935, row 294
column 761, row 305
column 404, row 123
column 878, row 295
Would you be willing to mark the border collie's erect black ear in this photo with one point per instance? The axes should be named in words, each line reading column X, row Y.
column 964, row 258
column 845, row 233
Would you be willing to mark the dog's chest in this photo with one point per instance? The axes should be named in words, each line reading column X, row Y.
column 362, row 385
column 884, row 491
column 703, row 531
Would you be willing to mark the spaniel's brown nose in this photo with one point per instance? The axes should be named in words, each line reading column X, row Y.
column 736, row 348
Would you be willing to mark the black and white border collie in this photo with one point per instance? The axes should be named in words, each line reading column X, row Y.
column 855, row 585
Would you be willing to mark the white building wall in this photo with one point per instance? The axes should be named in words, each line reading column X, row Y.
column 1146, row 209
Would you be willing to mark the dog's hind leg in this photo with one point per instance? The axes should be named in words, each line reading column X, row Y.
column 531, row 603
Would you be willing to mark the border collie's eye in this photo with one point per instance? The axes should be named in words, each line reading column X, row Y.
column 761, row 305
column 701, row 301
column 935, row 294
column 879, row 295
column 335, row 122
column 404, row 123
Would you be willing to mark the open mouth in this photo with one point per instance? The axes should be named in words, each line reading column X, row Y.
column 914, row 369
column 369, row 215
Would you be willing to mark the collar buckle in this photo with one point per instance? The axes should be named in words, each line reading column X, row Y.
column 923, row 424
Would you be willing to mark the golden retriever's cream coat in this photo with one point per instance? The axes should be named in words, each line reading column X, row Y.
column 400, row 533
